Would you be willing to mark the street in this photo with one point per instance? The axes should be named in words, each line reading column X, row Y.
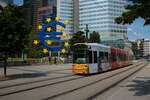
column 45, row 82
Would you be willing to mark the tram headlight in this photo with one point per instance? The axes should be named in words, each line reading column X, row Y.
column 86, row 66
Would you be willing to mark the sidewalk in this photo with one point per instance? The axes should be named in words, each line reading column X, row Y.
column 137, row 88
column 35, row 71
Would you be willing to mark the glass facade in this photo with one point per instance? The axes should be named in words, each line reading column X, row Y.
column 65, row 11
column 99, row 15
column 49, row 2
column 47, row 10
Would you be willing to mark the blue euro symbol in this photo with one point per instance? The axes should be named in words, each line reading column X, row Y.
column 43, row 35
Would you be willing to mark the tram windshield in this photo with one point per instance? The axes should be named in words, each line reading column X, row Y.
column 80, row 54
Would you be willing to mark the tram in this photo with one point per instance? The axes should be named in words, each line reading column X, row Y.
column 89, row 58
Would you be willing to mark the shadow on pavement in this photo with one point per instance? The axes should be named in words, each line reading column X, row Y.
column 24, row 75
column 141, row 86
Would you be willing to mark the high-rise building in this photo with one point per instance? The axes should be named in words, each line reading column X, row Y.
column 35, row 4
column 45, row 12
column 49, row 2
column 69, row 10
column 76, row 16
column 65, row 11
column 99, row 15
column 144, row 46
column 42, row 9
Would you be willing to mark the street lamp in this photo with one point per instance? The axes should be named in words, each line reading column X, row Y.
column 138, row 44
column 86, row 31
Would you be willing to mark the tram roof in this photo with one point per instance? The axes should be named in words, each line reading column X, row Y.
column 93, row 44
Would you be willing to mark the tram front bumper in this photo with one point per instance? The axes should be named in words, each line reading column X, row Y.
column 80, row 69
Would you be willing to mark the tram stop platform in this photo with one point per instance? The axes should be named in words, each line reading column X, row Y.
column 138, row 88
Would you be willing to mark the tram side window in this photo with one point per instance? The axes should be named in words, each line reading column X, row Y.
column 106, row 56
column 90, row 57
column 95, row 56
column 124, row 57
column 113, row 57
column 121, row 59
column 101, row 54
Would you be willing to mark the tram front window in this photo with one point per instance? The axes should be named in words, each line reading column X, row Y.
column 80, row 55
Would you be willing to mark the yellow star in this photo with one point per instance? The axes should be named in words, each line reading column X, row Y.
column 66, row 22
column 39, row 27
column 60, row 28
column 36, row 42
column 45, row 51
column 49, row 42
column 63, row 51
column 49, row 29
column 66, row 44
column 48, row 20
column 65, row 35
column 57, row 18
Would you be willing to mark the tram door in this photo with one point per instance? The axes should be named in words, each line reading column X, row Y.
column 104, row 61
column 100, row 57
column 93, row 59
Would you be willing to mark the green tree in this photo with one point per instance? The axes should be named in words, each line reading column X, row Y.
column 136, row 9
column 78, row 37
column 1, row 9
column 14, row 32
column 94, row 37
column 34, row 51
column 136, row 48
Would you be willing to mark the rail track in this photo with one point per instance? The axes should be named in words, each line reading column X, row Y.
column 97, row 81
column 49, row 82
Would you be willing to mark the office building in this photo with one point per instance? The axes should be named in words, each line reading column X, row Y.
column 41, row 10
column 99, row 15
column 146, row 47
column 142, row 47
column 49, row 2
column 65, row 10
column 44, row 12
column 35, row 4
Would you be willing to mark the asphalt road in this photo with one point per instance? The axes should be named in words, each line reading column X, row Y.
column 46, row 82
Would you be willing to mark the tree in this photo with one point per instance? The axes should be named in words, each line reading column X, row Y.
column 78, row 37
column 136, row 9
column 136, row 48
column 1, row 9
column 94, row 37
column 14, row 32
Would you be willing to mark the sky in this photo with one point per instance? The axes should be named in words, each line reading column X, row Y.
column 137, row 30
column 18, row 2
